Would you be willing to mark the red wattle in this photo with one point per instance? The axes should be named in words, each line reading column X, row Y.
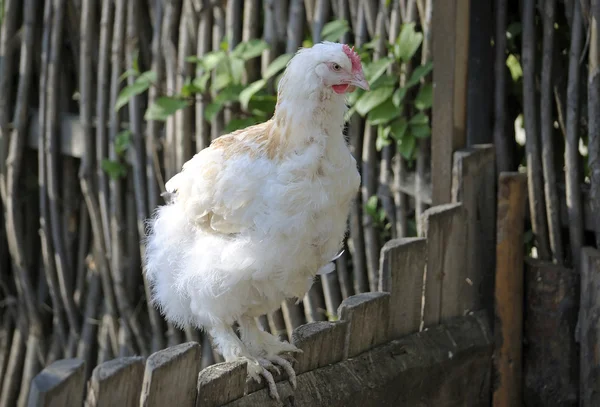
column 339, row 89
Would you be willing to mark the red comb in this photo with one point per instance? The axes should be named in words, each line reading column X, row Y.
column 353, row 56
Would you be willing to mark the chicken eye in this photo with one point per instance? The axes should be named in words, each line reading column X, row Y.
column 336, row 67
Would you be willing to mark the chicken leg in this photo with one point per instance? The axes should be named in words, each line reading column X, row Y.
column 267, row 348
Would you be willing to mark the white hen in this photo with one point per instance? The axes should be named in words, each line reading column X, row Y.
column 254, row 217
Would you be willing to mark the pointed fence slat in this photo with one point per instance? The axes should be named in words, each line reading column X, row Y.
column 60, row 384
column 446, row 283
column 320, row 343
column 367, row 315
column 116, row 383
column 221, row 383
column 176, row 367
column 401, row 271
column 474, row 185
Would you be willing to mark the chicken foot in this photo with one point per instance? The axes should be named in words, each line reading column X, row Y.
column 267, row 348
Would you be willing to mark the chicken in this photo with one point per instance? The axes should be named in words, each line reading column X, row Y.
column 255, row 216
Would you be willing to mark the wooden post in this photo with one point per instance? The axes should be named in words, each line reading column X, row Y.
column 551, row 358
column 589, row 324
column 402, row 264
column 221, row 383
column 174, row 367
column 508, row 330
column 321, row 344
column 116, row 382
column 474, row 185
column 447, row 289
column 60, row 384
column 450, row 65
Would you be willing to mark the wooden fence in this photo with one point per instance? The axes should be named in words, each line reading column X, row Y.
column 432, row 310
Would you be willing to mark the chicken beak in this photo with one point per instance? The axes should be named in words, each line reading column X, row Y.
column 360, row 81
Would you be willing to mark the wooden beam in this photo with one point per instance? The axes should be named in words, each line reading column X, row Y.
column 589, row 323
column 450, row 65
column 508, row 329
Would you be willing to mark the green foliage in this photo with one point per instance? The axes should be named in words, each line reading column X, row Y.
column 398, row 107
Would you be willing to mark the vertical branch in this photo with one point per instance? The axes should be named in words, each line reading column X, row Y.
column 184, row 118
column 594, row 115
column 501, row 142
column 551, row 195
column 136, row 157
column 295, row 27
column 103, row 79
column 534, row 165
column 7, row 66
column 63, row 269
column 205, row 27
column 572, row 157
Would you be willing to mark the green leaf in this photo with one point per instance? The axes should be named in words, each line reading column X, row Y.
column 399, row 96
column 201, row 82
column 334, row 30
column 418, row 73
column 408, row 42
column 420, row 130
column 128, row 73
column 514, row 66
column 211, row 111
column 383, row 113
column 419, row 119
column 407, row 146
column 262, row 105
column 370, row 100
column 141, row 84
column 164, row 107
column 424, row 98
column 371, row 206
column 236, row 124
column 377, row 68
column 398, row 128
column 222, row 79
column 383, row 139
column 249, row 49
column 250, row 91
column 277, row 65
column 114, row 169
column 122, row 142
column 210, row 60
column 237, row 67
column 230, row 93
column 384, row 80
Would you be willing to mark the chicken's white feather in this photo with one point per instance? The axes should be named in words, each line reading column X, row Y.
column 256, row 215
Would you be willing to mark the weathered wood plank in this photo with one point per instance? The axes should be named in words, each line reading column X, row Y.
column 402, row 264
column 116, row 383
column 447, row 288
column 447, row 365
column 58, row 385
column 450, row 25
column 474, row 185
column 321, row 343
column 221, row 383
column 589, row 321
column 174, row 367
column 367, row 315
column 508, row 330
column 551, row 357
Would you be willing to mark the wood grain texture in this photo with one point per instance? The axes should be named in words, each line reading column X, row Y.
column 116, row 383
column 447, row 289
column 221, row 383
column 589, row 320
column 367, row 315
column 58, row 385
column 450, row 35
column 322, row 344
column 474, row 185
column 445, row 366
column 402, row 264
column 174, row 367
column 508, row 330
column 551, row 357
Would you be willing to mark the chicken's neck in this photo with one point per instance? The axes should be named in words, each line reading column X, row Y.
column 313, row 115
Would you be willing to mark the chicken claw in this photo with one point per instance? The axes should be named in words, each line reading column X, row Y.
column 287, row 366
column 256, row 370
